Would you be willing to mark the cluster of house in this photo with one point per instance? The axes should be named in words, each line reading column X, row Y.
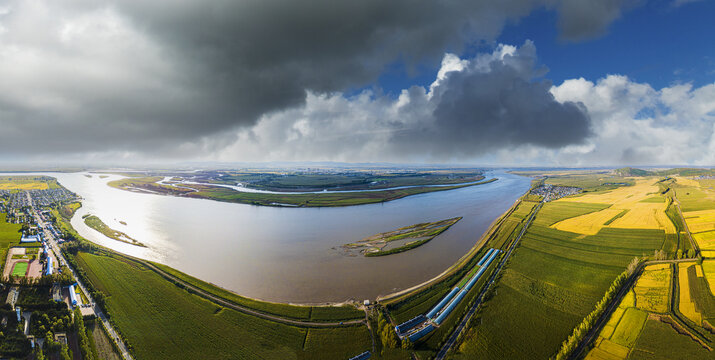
column 49, row 197
column 552, row 192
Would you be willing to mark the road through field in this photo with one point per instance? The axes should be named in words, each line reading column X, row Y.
column 596, row 329
column 463, row 323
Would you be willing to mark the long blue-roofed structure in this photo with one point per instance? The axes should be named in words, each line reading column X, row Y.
column 435, row 310
column 363, row 356
column 419, row 334
column 409, row 324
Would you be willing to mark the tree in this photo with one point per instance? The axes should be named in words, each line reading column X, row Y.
column 691, row 253
column 65, row 353
column 679, row 254
column 39, row 355
column 632, row 266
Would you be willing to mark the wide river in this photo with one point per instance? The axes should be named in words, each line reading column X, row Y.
column 289, row 254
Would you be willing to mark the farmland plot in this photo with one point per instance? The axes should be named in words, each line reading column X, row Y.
column 553, row 280
column 653, row 287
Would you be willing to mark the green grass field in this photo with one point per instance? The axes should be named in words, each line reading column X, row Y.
column 159, row 321
column 628, row 329
column 552, row 281
column 9, row 235
column 659, row 341
column 20, row 268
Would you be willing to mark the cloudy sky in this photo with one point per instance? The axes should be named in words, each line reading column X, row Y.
column 511, row 82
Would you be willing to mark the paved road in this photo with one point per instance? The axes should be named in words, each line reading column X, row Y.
column 52, row 243
column 462, row 324
column 232, row 305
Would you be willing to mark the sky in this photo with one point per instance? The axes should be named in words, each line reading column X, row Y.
column 512, row 83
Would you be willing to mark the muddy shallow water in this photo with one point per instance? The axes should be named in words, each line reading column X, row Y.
column 292, row 254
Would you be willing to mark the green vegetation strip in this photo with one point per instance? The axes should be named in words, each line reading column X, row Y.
column 97, row 224
column 288, row 199
column 9, row 235
column 618, row 216
column 307, row 313
column 421, row 233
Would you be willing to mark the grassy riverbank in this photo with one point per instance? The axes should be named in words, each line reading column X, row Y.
column 97, row 224
column 148, row 184
column 307, row 313
column 160, row 320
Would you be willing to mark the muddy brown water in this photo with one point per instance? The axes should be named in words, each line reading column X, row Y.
column 289, row 254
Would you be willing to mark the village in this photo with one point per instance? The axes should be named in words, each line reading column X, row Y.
column 42, row 302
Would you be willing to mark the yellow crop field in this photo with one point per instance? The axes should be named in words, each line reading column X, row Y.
column 588, row 224
column 597, row 354
column 642, row 216
column 709, row 271
column 614, row 349
column 708, row 253
column 653, row 287
column 686, row 304
column 623, row 195
column 687, row 181
column 706, row 240
column 700, row 221
column 638, row 215
column 23, row 185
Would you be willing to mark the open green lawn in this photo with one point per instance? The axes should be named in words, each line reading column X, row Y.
column 552, row 281
column 160, row 321
column 9, row 235
column 20, row 268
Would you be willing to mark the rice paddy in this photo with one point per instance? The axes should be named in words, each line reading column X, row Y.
column 22, row 183
column 709, row 273
column 632, row 207
column 620, row 334
column 685, row 303
column 652, row 288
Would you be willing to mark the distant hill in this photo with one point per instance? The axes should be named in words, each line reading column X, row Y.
column 629, row 171
column 687, row 172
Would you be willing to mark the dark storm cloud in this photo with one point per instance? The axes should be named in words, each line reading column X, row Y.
column 584, row 19
column 491, row 102
column 147, row 76
column 501, row 104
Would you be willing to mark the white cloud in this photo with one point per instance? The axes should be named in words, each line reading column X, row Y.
column 636, row 124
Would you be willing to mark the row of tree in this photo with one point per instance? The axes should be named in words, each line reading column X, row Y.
column 568, row 346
